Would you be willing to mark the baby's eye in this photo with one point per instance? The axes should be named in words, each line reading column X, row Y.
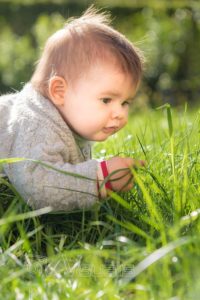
column 125, row 103
column 106, row 100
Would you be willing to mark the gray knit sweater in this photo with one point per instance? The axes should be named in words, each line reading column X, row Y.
column 31, row 127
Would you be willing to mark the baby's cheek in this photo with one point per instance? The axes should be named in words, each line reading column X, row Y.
column 124, row 122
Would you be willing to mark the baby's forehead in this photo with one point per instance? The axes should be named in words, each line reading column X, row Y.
column 105, row 79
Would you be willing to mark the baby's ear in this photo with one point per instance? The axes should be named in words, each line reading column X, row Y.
column 57, row 89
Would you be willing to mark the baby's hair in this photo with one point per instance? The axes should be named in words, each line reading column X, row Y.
column 84, row 41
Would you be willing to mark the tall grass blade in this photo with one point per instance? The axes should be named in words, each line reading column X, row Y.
column 154, row 257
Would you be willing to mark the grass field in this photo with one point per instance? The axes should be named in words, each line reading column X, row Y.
column 142, row 245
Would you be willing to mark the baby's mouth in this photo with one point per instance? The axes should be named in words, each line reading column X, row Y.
column 110, row 130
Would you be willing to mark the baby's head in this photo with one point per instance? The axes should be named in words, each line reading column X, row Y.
column 83, row 42
column 88, row 50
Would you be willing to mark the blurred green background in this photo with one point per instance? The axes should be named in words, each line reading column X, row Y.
column 168, row 32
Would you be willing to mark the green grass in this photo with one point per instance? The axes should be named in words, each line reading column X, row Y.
column 139, row 245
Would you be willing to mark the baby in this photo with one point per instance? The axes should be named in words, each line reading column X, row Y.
column 81, row 91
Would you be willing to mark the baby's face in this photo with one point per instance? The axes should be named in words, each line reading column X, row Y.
column 97, row 105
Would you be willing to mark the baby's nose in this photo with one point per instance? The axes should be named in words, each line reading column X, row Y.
column 118, row 113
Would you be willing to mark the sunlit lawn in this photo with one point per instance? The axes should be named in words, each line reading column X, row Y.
column 140, row 245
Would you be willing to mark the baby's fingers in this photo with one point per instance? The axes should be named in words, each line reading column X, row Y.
column 128, row 185
column 139, row 163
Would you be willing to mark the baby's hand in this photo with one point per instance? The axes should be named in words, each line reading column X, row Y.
column 118, row 173
column 122, row 179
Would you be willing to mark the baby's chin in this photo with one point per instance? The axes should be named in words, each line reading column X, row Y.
column 100, row 139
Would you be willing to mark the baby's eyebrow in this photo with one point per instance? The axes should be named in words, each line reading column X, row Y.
column 112, row 94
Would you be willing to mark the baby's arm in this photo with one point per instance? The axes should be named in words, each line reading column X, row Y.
column 41, row 186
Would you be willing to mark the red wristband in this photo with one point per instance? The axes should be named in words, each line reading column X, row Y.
column 105, row 174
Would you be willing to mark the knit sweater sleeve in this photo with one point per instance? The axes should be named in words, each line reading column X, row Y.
column 53, row 182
